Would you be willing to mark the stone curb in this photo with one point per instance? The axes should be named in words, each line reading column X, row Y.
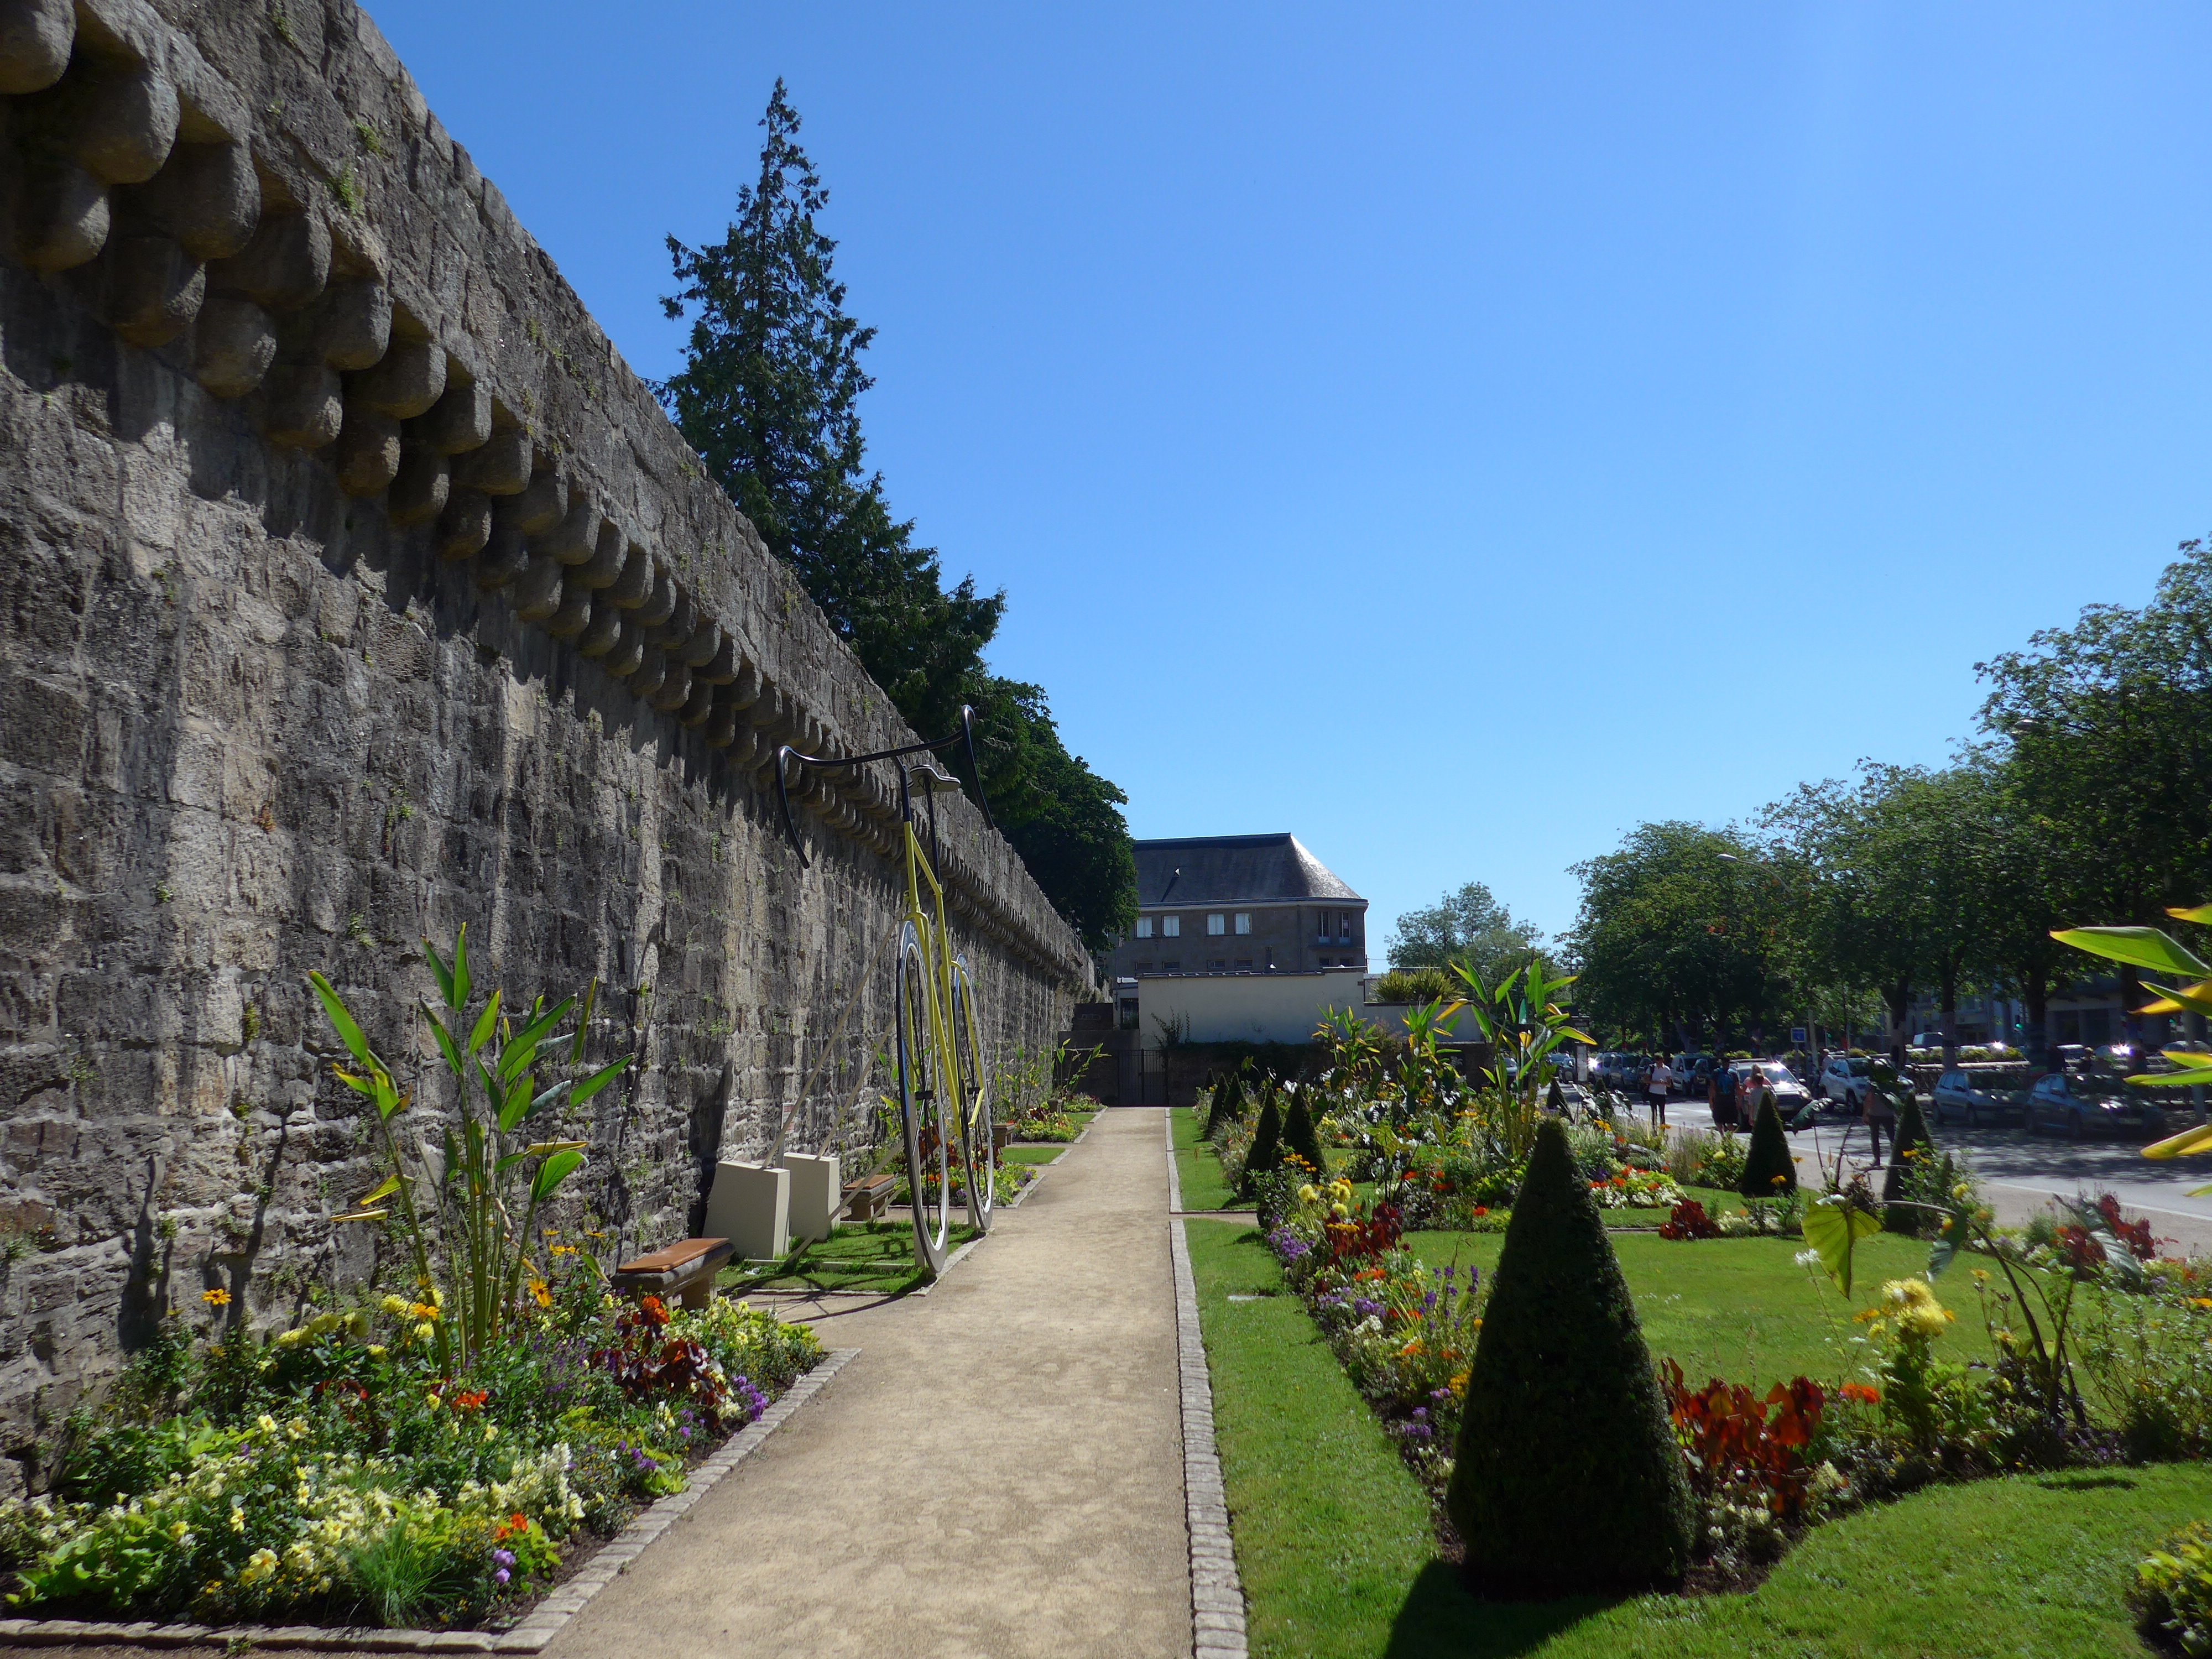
column 545, row 1621
column 1217, row 1595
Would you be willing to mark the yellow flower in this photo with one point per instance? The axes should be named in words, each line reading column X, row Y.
column 216, row 1298
column 544, row 1298
column 1308, row 1194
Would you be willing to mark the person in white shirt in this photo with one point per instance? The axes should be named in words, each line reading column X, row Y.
column 1658, row 1086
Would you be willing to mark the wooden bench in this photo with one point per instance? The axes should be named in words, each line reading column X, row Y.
column 684, row 1270
column 865, row 1199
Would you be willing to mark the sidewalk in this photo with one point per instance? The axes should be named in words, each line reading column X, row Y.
column 999, row 1473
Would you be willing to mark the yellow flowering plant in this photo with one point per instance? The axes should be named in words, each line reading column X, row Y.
column 477, row 1226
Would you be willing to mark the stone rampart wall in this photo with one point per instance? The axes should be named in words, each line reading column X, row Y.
column 354, row 589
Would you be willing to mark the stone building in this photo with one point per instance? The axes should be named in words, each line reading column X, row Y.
column 1239, row 904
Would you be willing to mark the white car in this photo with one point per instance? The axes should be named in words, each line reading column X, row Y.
column 1845, row 1080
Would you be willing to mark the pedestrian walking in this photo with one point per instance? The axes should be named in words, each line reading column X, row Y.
column 1658, row 1086
column 1721, row 1092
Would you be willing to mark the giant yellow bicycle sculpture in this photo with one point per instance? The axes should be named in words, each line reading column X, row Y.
column 944, row 1102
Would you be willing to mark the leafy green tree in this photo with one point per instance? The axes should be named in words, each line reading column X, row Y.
column 1468, row 925
column 2104, row 725
column 769, row 397
column 1568, row 1479
column 1679, row 936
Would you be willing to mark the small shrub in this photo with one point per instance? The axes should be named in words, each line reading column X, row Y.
column 1689, row 1220
column 1265, row 1155
column 1413, row 985
column 1568, row 1479
column 1913, row 1147
column 2172, row 1596
column 1298, row 1136
column 1225, row 1104
column 1768, row 1168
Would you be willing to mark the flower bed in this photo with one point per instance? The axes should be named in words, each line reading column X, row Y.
column 332, row 1477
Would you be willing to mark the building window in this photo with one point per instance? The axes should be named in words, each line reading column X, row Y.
column 1243, row 921
column 1216, row 925
column 1144, row 927
column 1221, row 964
column 1170, row 927
column 1171, row 967
column 1144, row 966
column 1244, row 962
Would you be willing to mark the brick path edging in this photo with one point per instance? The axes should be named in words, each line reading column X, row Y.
column 546, row 1620
column 1217, row 1595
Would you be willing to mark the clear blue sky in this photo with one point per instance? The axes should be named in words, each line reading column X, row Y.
column 1454, row 434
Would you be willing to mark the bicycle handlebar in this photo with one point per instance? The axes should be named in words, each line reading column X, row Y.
column 787, row 757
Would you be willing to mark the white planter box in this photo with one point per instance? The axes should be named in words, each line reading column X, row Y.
column 816, row 1195
column 751, row 1207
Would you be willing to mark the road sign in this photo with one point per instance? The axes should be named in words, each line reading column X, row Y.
column 1797, row 1035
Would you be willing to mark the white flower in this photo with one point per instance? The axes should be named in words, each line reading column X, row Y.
column 1807, row 1258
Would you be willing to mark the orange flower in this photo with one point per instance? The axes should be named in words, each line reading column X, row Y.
column 1861, row 1393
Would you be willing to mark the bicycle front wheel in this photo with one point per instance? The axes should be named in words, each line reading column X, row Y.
column 922, row 1108
column 979, row 1152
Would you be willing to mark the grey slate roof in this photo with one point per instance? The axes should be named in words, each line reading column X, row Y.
column 1229, row 869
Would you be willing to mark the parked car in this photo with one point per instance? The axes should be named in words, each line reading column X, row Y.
column 2082, row 1103
column 1983, row 1097
column 1844, row 1080
column 1790, row 1095
column 1690, row 1072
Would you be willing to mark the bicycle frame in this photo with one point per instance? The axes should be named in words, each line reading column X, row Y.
column 925, row 914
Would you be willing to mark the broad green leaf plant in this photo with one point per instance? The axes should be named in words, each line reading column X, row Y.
column 1521, row 1019
column 486, row 1180
column 2160, row 952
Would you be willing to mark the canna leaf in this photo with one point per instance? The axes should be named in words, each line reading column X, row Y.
column 541, row 1148
column 2195, row 1138
column 584, row 1022
column 2200, row 915
column 1834, row 1229
column 460, row 997
column 516, row 1106
column 360, row 1085
column 2143, row 947
column 600, row 1079
column 547, row 1097
column 552, row 1172
column 486, row 1023
column 362, row 1215
column 453, row 1061
column 390, row 1185
column 349, row 1028
column 443, row 974
column 2196, row 1072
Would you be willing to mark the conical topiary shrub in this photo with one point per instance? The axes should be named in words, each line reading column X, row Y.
column 1227, row 1105
column 1267, row 1149
column 1912, row 1135
column 1569, row 1480
column 1768, row 1156
column 1300, row 1136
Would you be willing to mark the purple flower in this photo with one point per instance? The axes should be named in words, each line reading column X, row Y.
column 503, row 1558
column 1365, row 1309
column 500, row 1576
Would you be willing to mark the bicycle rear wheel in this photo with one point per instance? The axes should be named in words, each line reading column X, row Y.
column 921, row 1106
column 979, row 1152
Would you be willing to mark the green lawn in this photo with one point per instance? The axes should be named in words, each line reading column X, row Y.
column 1742, row 1308
column 1045, row 1153
column 1335, row 1545
column 1204, row 1187
column 874, row 1258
